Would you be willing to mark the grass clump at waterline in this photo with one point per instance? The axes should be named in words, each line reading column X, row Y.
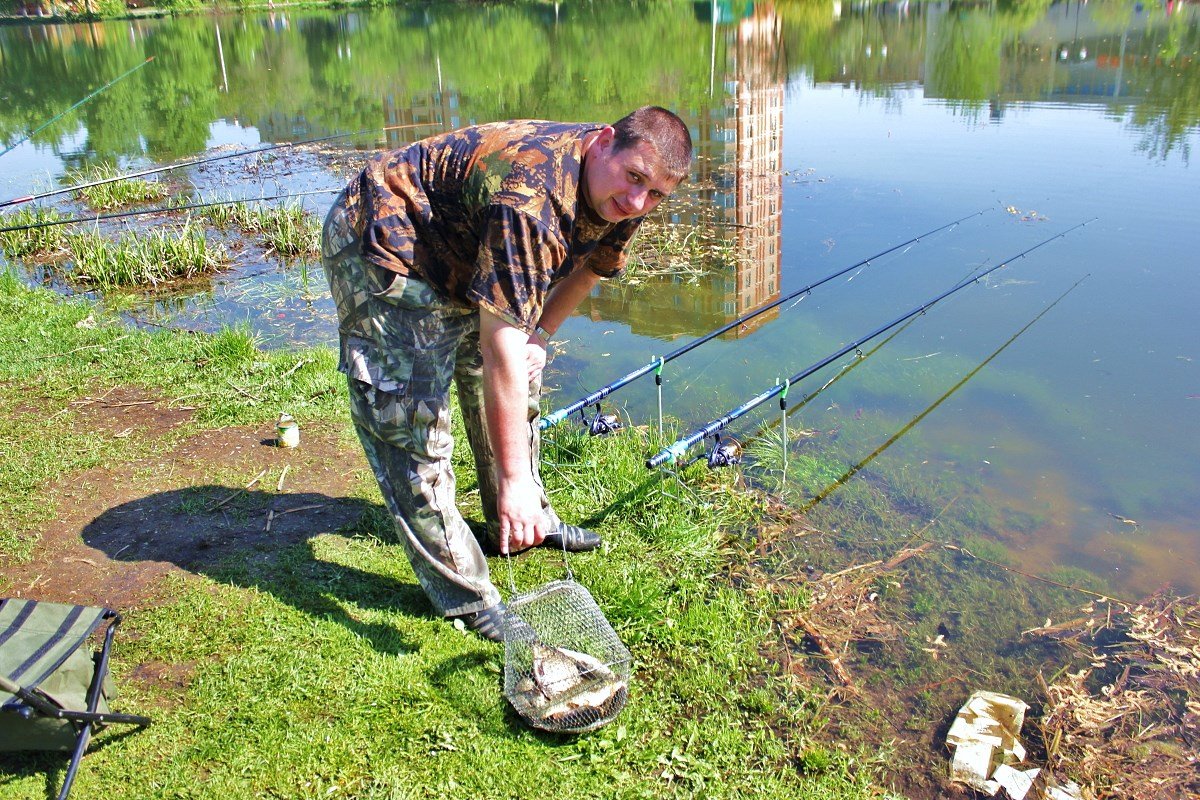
column 113, row 194
column 684, row 252
column 143, row 259
column 316, row 668
column 289, row 229
column 44, row 240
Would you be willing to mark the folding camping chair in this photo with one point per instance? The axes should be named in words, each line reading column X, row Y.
column 53, row 693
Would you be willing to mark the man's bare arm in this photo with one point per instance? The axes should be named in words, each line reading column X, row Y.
column 566, row 296
column 506, row 402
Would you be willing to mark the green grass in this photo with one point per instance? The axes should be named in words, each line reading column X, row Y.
column 43, row 241
column 50, row 358
column 113, row 194
column 317, row 670
column 143, row 259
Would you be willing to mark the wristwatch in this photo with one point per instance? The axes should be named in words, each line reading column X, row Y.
column 543, row 334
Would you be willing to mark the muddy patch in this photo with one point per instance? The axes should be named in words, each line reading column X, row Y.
column 205, row 499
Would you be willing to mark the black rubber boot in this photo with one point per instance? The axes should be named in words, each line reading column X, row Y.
column 488, row 623
column 577, row 540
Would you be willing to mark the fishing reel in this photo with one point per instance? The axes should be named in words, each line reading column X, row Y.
column 724, row 453
column 601, row 424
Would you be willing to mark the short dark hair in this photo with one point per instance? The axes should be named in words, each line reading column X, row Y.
column 665, row 132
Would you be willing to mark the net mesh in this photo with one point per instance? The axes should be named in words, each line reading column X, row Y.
column 565, row 669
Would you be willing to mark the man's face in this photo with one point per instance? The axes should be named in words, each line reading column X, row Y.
column 627, row 183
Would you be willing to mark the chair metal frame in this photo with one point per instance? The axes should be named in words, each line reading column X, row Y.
column 35, row 703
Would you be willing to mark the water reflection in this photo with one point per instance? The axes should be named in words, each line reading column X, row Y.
column 737, row 190
column 294, row 75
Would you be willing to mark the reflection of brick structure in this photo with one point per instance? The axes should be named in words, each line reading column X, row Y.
column 434, row 113
column 738, row 191
column 759, row 177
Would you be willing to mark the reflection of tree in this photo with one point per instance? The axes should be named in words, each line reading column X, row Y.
column 874, row 50
column 52, row 68
column 1020, row 15
column 298, row 74
column 181, row 97
column 1171, row 109
column 966, row 64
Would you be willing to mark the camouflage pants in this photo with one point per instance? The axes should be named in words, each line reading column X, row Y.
column 401, row 346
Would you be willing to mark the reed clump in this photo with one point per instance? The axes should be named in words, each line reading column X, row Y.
column 113, row 194
column 667, row 249
column 145, row 259
column 288, row 230
column 38, row 241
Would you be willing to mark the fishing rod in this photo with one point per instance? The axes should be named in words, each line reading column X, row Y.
column 160, row 210
column 208, row 160
column 558, row 416
column 718, row 457
column 681, row 446
column 57, row 117
column 912, row 423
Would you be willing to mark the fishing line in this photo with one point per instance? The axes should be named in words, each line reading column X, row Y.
column 854, row 470
column 160, row 210
column 798, row 302
column 558, row 416
column 681, row 446
column 59, row 116
column 208, row 160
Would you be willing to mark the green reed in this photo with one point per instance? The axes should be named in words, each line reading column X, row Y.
column 674, row 249
column 42, row 241
column 288, row 230
column 144, row 259
column 114, row 194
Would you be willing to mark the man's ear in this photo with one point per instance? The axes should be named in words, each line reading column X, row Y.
column 606, row 136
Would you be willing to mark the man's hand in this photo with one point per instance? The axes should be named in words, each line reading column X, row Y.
column 535, row 357
column 518, row 528
column 508, row 361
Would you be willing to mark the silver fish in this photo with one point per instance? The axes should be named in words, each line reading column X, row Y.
column 563, row 682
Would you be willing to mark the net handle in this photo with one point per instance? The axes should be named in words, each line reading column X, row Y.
column 512, row 584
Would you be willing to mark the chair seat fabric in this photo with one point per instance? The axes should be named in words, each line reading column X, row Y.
column 41, row 648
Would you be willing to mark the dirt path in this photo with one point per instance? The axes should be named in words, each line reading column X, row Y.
column 120, row 529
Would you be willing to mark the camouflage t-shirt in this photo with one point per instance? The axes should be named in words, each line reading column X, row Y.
column 490, row 215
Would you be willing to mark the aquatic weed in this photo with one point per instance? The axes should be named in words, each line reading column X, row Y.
column 288, row 230
column 677, row 250
column 145, row 259
column 113, row 193
column 47, row 240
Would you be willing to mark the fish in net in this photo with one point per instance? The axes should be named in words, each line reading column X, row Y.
column 565, row 668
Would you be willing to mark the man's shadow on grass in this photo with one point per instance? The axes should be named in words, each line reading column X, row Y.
column 266, row 541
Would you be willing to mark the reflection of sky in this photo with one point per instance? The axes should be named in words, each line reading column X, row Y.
column 222, row 132
column 30, row 167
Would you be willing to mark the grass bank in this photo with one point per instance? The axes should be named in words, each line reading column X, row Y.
column 314, row 668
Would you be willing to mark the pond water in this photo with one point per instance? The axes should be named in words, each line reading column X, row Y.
column 828, row 133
